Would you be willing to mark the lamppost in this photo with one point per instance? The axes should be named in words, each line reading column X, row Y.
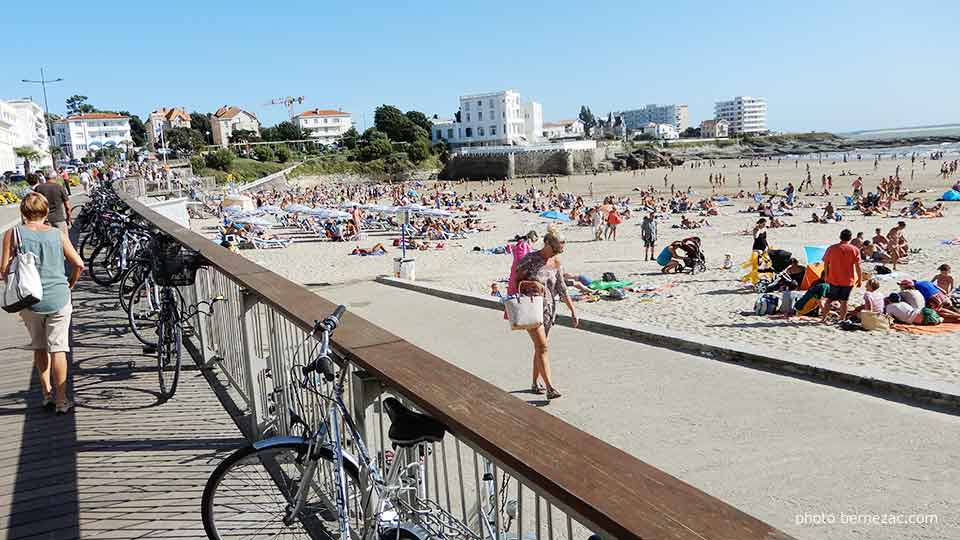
column 43, row 83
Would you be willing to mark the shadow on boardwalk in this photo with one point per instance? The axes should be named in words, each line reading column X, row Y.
column 124, row 465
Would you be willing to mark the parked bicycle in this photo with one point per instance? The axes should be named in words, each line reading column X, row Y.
column 312, row 486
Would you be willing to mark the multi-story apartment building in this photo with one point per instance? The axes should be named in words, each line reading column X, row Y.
column 8, row 138
column 86, row 133
column 324, row 125
column 228, row 119
column 163, row 119
column 744, row 114
column 492, row 119
column 676, row 115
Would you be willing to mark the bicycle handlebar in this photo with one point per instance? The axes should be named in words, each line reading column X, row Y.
column 323, row 363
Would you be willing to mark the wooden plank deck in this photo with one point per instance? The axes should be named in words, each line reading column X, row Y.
column 122, row 465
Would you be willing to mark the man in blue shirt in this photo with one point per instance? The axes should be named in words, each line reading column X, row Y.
column 937, row 300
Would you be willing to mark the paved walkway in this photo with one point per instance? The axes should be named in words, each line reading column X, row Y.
column 771, row 445
column 123, row 465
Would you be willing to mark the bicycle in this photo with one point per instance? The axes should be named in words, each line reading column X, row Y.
column 310, row 486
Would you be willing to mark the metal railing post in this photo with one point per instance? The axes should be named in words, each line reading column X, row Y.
column 252, row 363
column 365, row 389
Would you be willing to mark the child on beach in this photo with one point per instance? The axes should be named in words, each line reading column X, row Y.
column 944, row 280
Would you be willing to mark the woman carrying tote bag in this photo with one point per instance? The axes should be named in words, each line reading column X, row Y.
column 47, row 321
column 543, row 267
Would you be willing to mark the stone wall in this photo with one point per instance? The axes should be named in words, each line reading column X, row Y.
column 534, row 163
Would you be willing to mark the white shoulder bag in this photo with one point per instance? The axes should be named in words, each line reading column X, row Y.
column 525, row 311
column 24, row 288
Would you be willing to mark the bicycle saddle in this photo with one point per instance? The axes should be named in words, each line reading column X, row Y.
column 408, row 428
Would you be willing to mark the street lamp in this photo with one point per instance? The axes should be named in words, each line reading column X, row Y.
column 43, row 83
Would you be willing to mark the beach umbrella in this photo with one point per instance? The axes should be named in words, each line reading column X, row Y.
column 327, row 213
column 298, row 208
column 382, row 208
column 814, row 253
column 270, row 209
column 253, row 220
column 435, row 213
column 553, row 214
column 350, row 204
column 232, row 209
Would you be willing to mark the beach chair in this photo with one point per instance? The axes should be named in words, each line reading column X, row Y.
column 269, row 243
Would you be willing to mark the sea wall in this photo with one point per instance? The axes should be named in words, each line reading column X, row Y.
column 521, row 163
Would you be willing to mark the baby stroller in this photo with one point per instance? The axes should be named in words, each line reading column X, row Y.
column 695, row 261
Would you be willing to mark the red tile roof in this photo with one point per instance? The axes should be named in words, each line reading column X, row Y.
column 322, row 112
column 171, row 114
column 94, row 116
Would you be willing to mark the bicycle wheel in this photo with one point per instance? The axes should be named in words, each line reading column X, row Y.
column 105, row 264
column 132, row 277
column 249, row 493
column 169, row 349
column 87, row 245
column 143, row 313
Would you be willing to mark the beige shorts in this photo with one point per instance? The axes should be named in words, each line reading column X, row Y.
column 49, row 331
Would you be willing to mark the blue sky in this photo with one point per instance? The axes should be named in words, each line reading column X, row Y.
column 820, row 65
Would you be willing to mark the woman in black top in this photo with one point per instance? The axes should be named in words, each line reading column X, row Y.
column 760, row 235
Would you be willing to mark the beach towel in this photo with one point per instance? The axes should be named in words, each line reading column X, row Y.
column 598, row 285
column 951, row 195
column 926, row 330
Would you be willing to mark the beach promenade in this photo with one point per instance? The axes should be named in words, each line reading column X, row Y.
column 122, row 465
column 775, row 446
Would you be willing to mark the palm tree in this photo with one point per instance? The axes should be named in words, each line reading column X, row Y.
column 26, row 153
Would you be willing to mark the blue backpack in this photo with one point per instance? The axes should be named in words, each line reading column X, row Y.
column 766, row 304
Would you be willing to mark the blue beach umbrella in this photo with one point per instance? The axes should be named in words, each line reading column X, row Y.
column 814, row 253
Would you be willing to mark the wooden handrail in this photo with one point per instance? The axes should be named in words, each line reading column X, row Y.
column 605, row 488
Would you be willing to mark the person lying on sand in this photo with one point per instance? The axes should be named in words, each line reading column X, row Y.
column 687, row 223
column 871, row 252
column 375, row 250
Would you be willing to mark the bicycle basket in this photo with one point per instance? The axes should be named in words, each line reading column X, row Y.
column 173, row 265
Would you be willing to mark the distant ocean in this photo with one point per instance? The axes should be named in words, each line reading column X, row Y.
column 917, row 131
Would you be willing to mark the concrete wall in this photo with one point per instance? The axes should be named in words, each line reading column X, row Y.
column 559, row 162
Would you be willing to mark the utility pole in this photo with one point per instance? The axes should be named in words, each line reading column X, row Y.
column 46, row 107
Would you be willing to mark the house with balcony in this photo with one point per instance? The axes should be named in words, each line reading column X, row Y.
column 324, row 125
column 22, row 123
column 228, row 119
column 714, row 129
column 563, row 129
column 163, row 119
column 83, row 134
column 492, row 119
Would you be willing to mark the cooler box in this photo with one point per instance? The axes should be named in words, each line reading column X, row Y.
column 405, row 269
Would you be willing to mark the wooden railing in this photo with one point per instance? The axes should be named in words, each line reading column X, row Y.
column 598, row 487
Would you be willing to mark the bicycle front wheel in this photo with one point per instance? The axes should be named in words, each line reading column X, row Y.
column 169, row 350
column 251, row 492
column 143, row 312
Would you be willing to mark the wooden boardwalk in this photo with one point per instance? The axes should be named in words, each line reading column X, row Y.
column 123, row 465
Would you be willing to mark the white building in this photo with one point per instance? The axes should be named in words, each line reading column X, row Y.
column 744, row 114
column 660, row 132
column 563, row 129
column 492, row 119
column 22, row 123
column 675, row 115
column 8, row 138
column 81, row 134
column 228, row 119
column 324, row 125
column 163, row 119
column 714, row 129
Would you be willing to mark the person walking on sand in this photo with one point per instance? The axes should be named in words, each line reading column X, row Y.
column 841, row 271
column 543, row 268
column 613, row 219
column 648, row 230
column 47, row 321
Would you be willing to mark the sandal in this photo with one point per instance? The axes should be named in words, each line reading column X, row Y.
column 537, row 389
column 553, row 393
column 48, row 401
column 66, row 407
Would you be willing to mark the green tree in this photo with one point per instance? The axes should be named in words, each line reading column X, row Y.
column 27, row 154
column 690, row 132
column 51, row 119
column 420, row 119
column 138, row 132
column 374, row 145
column 283, row 154
column 201, row 122
column 442, row 150
column 197, row 163
column 219, row 159
column 244, row 136
column 418, row 150
column 77, row 104
column 586, row 116
column 349, row 138
column 264, row 153
column 56, row 152
column 183, row 140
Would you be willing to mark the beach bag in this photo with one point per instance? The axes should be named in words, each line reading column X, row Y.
column 882, row 270
column 766, row 304
column 787, row 300
column 664, row 257
column 931, row 317
column 608, row 276
column 24, row 287
column 872, row 320
column 616, row 294
column 524, row 311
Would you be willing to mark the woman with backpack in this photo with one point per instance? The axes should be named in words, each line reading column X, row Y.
column 47, row 320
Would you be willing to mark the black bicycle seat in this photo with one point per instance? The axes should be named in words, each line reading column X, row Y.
column 408, row 428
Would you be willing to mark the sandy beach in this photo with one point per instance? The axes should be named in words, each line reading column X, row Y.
column 710, row 304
